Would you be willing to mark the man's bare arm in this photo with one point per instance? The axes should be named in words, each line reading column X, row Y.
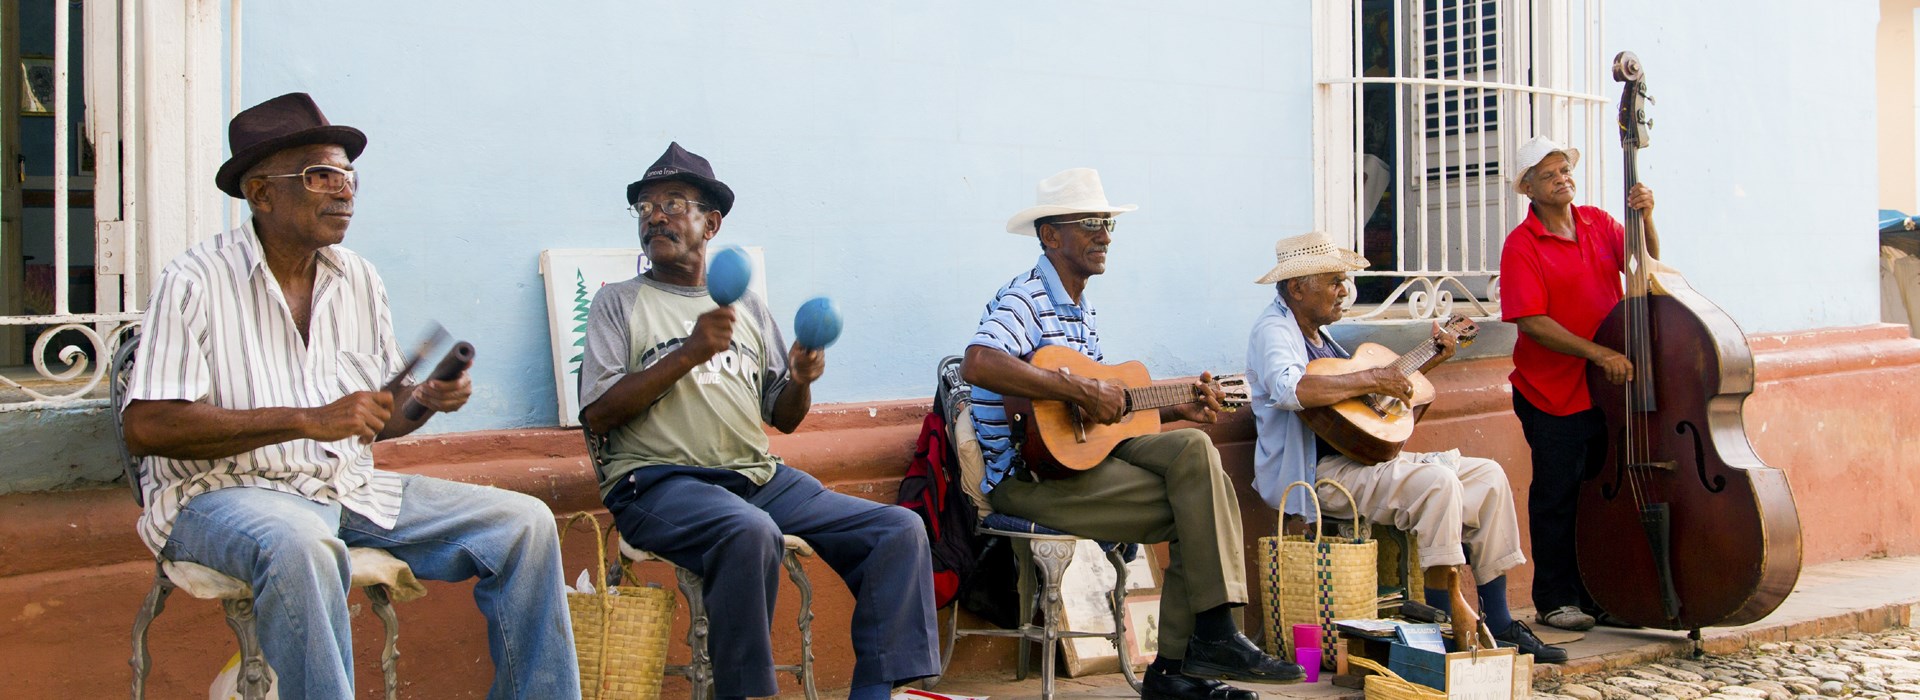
column 190, row 430
column 1001, row 373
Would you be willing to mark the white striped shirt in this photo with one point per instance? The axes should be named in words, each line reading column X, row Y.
column 218, row 331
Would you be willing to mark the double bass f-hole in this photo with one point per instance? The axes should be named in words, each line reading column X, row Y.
column 1714, row 485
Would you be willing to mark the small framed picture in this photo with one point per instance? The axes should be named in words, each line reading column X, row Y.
column 36, row 86
column 1143, row 627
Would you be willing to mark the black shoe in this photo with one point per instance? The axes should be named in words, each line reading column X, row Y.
column 1175, row 686
column 1520, row 636
column 1606, row 619
column 1236, row 659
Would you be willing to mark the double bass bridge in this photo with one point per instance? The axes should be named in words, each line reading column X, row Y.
column 1667, row 465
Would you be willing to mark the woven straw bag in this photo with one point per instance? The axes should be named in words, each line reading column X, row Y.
column 619, row 632
column 1387, row 685
column 1317, row 581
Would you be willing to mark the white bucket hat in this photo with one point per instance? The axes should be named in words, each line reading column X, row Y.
column 1070, row 191
column 1310, row 254
column 1535, row 150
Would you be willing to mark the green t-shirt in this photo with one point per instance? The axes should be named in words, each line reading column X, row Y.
column 712, row 417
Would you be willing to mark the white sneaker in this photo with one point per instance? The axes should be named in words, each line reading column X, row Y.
column 1567, row 617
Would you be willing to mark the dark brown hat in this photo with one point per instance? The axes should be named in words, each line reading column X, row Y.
column 276, row 125
column 681, row 164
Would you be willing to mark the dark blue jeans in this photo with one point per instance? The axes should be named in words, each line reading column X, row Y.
column 1566, row 451
column 718, row 524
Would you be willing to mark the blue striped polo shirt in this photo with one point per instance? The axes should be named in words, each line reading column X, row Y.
column 1033, row 310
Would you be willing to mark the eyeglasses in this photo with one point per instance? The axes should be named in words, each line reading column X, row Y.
column 672, row 207
column 325, row 179
column 1090, row 224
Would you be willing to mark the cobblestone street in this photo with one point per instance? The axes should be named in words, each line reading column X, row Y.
column 1884, row 665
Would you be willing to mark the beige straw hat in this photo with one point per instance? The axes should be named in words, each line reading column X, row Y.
column 1310, row 254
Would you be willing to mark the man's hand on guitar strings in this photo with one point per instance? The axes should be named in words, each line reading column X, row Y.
column 1388, row 381
column 1446, row 342
column 1106, row 399
column 1208, row 408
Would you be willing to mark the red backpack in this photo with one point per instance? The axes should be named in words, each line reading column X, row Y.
column 931, row 489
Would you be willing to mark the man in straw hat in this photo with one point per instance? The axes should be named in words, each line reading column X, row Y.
column 1559, row 278
column 256, row 397
column 1157, row 488
column 1454, row 505
column 680, row 388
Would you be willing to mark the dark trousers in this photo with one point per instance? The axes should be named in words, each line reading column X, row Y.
column 718, row 524
column 1566, row 451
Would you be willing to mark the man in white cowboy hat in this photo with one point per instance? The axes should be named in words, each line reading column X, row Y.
column 1156, row 488
column 1559, row 278
column 255, row 399
column 1460, row 509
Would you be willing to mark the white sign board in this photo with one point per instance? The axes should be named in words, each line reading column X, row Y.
column 1486, row 675
column 572, row 277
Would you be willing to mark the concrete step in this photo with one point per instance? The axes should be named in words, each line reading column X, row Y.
column 1865, row 595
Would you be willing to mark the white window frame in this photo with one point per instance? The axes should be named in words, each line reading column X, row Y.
column 1547, row 79
column 154, row 113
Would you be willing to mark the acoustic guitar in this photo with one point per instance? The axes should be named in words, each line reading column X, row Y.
column 1371, row 429
column 1057, row 439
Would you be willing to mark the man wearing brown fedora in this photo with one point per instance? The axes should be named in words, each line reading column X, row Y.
column 680, row 389
column 255, row 399
column 1166, row 487
column 1460, row 509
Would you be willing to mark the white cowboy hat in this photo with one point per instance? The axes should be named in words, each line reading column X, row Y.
column 1070, row 191
column 1535, row 150
column 1310, row 254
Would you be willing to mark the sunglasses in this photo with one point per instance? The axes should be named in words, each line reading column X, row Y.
column 325, row 179
column 1089, row 224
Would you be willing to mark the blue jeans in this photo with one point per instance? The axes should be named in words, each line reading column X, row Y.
column 716, row 523
column 294, row 552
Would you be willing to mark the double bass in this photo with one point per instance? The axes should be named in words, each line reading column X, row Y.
column 1684, row 527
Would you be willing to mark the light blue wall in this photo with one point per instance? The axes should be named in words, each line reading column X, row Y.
column 1763, row 158
column 877, row 150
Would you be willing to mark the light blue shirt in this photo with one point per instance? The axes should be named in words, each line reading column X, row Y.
column 1033, row 310
column 1285, row 452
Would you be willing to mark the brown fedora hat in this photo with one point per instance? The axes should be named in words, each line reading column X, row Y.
column 275, row 125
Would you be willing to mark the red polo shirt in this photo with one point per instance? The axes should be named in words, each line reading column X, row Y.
column 1576, row 283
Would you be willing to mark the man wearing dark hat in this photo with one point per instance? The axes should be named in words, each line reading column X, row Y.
column 255, row 399
column 679, row 390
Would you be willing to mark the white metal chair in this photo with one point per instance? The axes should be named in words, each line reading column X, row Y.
column 384, row 578
column 699, row 669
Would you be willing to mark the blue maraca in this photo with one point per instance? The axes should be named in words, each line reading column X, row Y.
column 818, row 323
column 728, row 275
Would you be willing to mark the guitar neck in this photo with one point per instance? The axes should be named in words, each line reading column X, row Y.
column 1416, row 358
column 1160, row 396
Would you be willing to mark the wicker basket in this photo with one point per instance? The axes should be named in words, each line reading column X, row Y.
column 1317, row 581
column 1387, row 685
column 619, row 632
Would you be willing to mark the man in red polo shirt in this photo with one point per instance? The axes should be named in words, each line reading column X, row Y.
column 1559, row 278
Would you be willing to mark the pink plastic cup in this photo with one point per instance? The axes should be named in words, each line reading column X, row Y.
column 1309, row 659
column 1306, row 636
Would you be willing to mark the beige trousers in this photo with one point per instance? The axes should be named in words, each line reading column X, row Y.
column 1444, row 499
column 1154, row 488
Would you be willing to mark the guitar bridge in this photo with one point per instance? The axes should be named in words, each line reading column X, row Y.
column 1668, row 465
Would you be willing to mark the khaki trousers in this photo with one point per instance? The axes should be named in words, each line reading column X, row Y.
column 1154, row 488
column 1444, row 499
